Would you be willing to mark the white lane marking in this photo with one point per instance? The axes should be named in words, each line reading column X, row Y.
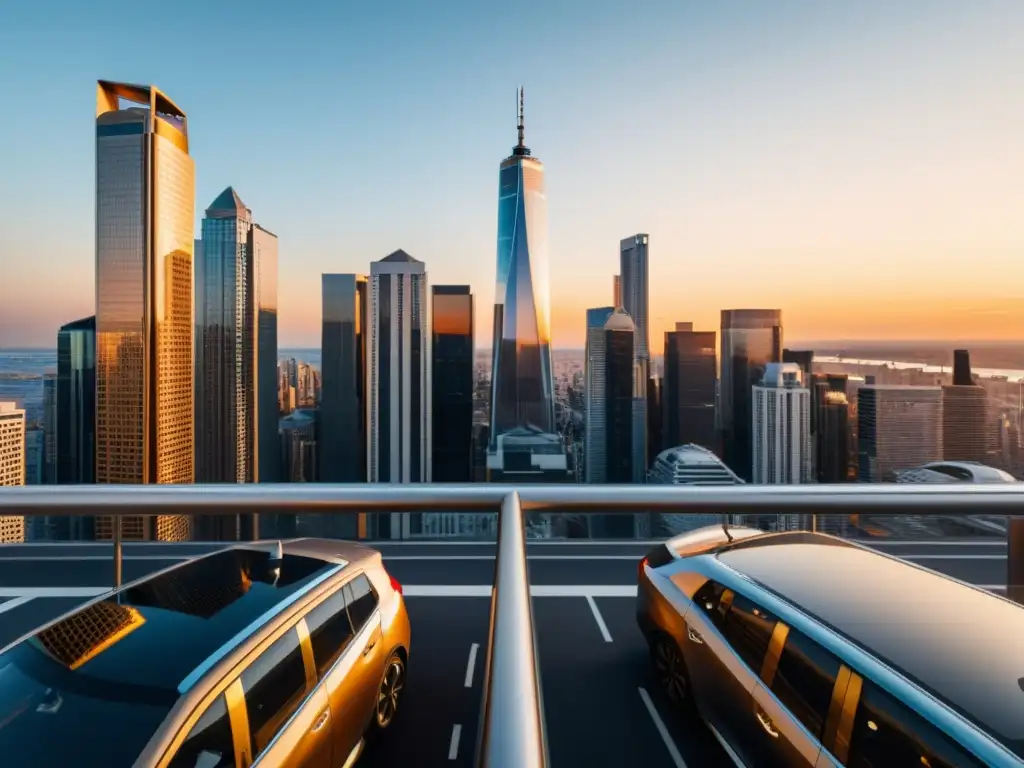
column 666, row 737
column 10, row 605
column 471, row 664
column 936, row 543
column 725, row 745
column 52, row 591
column 453, row 746
column 599, row 619
column 90, row 558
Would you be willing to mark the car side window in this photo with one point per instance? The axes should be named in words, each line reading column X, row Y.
column 274, row 686
column 746, row 626
column 804, row 680
column 887, row 732
column 330, row 631
column 209, row 744
column 362, row 601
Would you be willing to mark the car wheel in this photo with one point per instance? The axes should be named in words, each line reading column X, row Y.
column 670, row 671
column 390, row 692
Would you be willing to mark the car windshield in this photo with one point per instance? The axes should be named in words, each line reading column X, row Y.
column 51, row 717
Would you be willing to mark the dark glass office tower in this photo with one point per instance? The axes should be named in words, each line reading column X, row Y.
column 76, row 420
column 751, row 338
column 964, row 414
column 341, row 441
column 655, row 417
column 452, row 324
column 522, row 385
column 688, row 391
column 830, row 427
column 802, row 357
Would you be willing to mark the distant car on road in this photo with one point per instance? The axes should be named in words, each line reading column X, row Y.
column 801, row 649
column 289, row 654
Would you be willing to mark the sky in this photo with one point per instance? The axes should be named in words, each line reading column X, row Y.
column 858, row 165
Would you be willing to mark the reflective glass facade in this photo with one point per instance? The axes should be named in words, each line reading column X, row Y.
column 144, row 227
column 76, row 420
column 452, row 323
column 522, row 384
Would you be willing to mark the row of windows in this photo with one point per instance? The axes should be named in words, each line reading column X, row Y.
column 885, row 731
column 274, row 684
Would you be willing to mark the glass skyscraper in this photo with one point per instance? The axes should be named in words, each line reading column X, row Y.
column 522, row 386
column 76, row 420
column 145, row 208
column 452, row 371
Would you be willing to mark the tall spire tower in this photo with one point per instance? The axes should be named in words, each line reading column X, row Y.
column 522, row 391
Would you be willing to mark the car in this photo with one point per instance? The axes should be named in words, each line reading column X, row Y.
column 803, row 649
column 290, row 653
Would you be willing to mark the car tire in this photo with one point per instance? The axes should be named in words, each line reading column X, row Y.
column 389, row 693
column 670, row 673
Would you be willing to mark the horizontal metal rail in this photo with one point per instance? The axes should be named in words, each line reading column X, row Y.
column 313, row 498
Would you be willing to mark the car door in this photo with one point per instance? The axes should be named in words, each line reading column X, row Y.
column 335, row 655
column 288, row 716
column 798, row 700
column 210, row 742
column 727, row 637
column 363, row 681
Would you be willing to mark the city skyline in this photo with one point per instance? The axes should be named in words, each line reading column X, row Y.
column 904, row 168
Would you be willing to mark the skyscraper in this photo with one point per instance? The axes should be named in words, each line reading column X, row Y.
column 145, row 199
column 688, row 389
column 898, row 427
column 236, row 357
column 616, row 291
column 522, row 385
column 49, row 466
column 782, row 427
column 399, row 423
column 965, row 427
column 12, row 465
column 608, row 452
column 633, row 286
column 452, row 384
column 236, row 348
column 341, row 444
column 751, row 338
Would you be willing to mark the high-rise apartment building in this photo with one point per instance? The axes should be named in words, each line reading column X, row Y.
column 452, row 383
column 341, row 443
column 688, row 388
column 751, row 339
column 145, row 208
column 688, row 465
column 608, row 449
column 965, row 424
column 898, row 427
column 633, row 285
column 782, row 427
column 522, row 384
column 398, row 380
column 12, row 465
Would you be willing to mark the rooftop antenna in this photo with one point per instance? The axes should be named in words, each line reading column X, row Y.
column 522, row 127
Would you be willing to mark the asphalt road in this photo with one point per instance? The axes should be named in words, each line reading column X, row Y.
column 601, row 706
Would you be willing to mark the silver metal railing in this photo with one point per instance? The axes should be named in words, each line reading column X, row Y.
column 512, row 733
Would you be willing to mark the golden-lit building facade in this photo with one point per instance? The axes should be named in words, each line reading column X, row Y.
column 145, row 210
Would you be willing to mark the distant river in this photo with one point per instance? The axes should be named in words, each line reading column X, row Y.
column 985, row 373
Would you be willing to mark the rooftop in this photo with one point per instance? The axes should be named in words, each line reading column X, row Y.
column 875, row 599
column 400, row 256
column 227, row 205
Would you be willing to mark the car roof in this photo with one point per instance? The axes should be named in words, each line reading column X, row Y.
column 961, row 644
column 125, row 657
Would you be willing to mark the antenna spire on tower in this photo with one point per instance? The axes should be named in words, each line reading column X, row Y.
column 522, row 127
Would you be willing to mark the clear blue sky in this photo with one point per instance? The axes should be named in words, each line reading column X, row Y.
column 824, row 157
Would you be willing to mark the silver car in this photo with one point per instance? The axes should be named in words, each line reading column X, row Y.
column 800, row 649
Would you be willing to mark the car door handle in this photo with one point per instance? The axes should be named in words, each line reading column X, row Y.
column 766, row 723
column 694, row 636
column 369, row 647
column 321, row 721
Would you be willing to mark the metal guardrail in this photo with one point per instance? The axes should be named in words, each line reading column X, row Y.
column 512, row 733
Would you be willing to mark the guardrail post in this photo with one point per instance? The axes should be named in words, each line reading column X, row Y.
column 512, row 733
column 1015, row 559
column 117, row 551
